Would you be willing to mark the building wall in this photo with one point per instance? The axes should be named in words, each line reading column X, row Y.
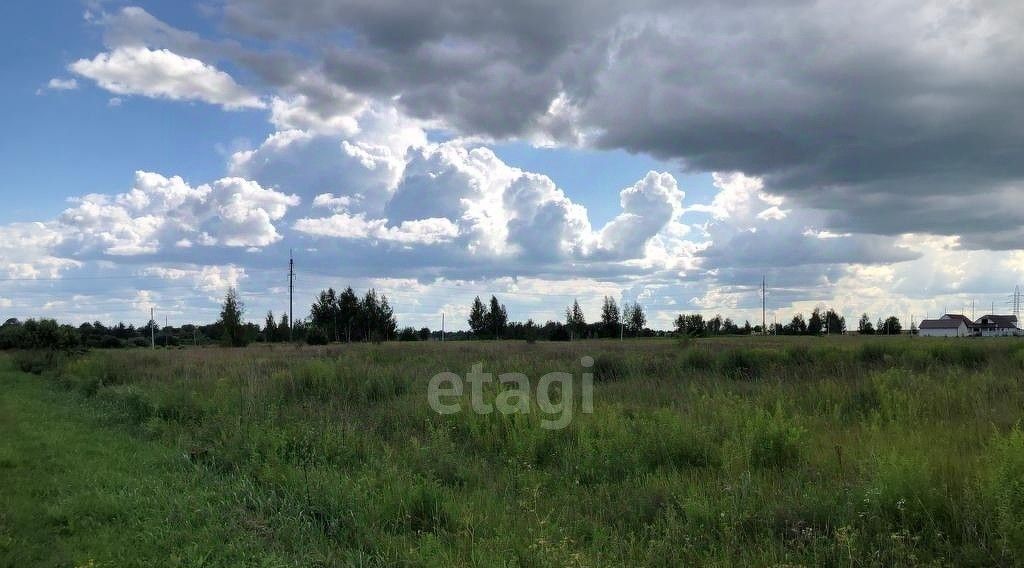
column 1004, row 332
column 958, row 332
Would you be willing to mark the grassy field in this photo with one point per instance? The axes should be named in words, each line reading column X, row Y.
column 743, row 451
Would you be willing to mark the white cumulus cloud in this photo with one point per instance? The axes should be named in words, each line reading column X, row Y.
column 160, row 211
column 160, row 73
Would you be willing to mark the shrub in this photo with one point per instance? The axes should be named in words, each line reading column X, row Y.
column 39, row 361
column 559, row 334
column 741, row 364
column 960, row 353
column 775, row 443
column 316, row 336
column 109, row 342
column 128, row 403
column 697, row 359
column 668, row 440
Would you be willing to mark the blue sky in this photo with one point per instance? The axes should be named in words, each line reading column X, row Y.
column 95, row 146
column 155, row 154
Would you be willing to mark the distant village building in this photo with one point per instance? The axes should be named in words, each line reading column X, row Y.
column 997, row 326
column 947, row 326
column 956, row 325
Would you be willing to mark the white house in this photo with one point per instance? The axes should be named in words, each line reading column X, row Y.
column 943, row 327
column 996, row 326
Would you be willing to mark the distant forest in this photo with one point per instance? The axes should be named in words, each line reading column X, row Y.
column 348, row 317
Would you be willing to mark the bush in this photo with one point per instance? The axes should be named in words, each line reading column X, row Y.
column 963, row 354
column 36, row 362
column 742, row 364
column 775, row 443
column 41, row 334
column 560, row 334
column 697, row 359
column 316, row 336
column 109, row 342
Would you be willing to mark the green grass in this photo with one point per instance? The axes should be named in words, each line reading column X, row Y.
column 76, row 492
column 738, row 451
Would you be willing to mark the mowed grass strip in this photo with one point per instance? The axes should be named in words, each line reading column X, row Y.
column 74, row 492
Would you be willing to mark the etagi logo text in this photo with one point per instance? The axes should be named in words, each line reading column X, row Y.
column 446, row 390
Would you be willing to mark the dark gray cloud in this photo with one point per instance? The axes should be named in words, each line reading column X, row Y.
column 847, row 108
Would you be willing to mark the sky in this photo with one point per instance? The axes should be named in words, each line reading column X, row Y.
column 865, row 159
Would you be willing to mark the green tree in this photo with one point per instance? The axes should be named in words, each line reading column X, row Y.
column 496, row 318
column 834, row 323
column 324, row 313
column 231, row 314
column 715, row 325
column 530, row 331
column 610, row 317
column 284, row 329
column 864, row 326
column 692, row 325
column 636, row 319
column 814, row 325
column 387, row 322
column 797, row 326
column 478, row 318
column 575, row 320
column 892, row 326
column 270, row 328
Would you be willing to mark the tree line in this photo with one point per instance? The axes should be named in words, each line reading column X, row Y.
column 490, row 321
column 347, row 317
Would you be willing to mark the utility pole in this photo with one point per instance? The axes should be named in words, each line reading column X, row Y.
column 291, row 295
column 152, row 329
column 442, row 327
column 167, row 340
column 764, row 318
column 973, row 316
